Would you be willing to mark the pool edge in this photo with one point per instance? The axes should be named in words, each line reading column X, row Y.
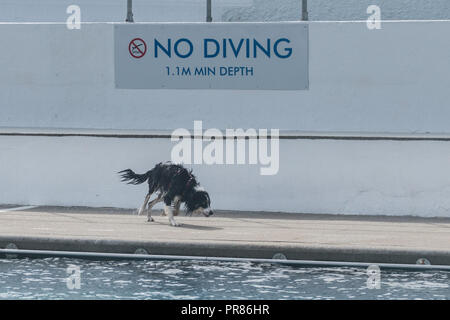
column 230, row 250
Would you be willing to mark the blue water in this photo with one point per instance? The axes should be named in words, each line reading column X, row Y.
column 48, row 279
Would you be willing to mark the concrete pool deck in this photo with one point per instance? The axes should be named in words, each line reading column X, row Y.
column 373, row 239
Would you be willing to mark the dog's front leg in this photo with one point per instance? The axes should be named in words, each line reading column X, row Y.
column 176, row 206
column 169, row 211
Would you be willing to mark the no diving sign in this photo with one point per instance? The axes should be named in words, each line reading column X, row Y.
column 137, row 48
column 247, row 56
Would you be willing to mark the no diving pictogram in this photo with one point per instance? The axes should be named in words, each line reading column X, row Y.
column 137, row 48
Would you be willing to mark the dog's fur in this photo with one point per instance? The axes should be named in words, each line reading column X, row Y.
column 174, row 185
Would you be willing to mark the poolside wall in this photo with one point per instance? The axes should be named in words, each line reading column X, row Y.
column 391, row 82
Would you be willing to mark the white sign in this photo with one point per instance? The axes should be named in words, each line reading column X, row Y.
column 248, row 56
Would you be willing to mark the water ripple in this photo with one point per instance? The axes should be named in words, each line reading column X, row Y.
column 47, row 279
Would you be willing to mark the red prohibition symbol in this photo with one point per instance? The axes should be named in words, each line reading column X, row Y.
column 137, row 48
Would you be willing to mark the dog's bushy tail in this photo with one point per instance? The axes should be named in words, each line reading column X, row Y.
column 130, row 177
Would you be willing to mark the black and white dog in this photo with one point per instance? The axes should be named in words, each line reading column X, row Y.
column 174, row 185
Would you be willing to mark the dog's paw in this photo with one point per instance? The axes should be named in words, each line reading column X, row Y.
column 174, row 223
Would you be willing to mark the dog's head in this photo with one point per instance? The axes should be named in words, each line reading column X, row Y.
column 199, row 203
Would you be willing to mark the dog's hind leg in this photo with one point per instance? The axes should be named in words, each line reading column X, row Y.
column 150, row 206
column 147, row 198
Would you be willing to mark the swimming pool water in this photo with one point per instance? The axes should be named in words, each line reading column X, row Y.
column 48, row 279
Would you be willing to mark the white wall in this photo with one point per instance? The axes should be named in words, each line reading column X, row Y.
column 390, row 80
column 386, row 81
column 343, row 177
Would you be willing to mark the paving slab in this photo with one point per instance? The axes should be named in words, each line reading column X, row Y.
column 382, row 239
